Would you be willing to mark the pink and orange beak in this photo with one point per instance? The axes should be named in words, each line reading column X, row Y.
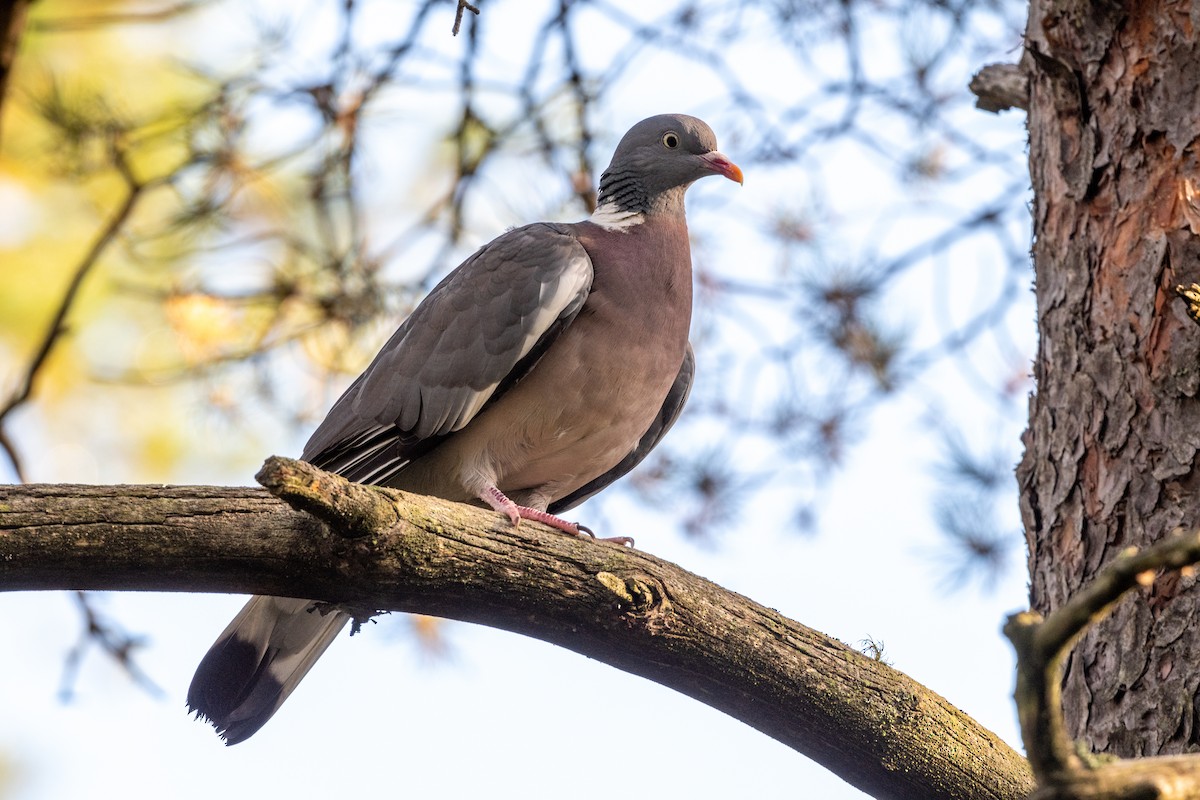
column 723, row 166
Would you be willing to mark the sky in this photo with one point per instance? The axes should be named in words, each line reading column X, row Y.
column 504, row 716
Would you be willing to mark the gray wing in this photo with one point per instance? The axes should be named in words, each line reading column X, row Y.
column 671, row 408
column 475, row 335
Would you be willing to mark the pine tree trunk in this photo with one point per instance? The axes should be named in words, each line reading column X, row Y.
column 1114, row 428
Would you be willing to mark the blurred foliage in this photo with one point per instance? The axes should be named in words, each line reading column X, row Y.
column 294, row 176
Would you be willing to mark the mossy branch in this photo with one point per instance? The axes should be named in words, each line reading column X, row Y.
column 384, row 549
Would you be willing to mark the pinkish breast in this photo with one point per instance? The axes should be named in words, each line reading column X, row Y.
column 585, row 405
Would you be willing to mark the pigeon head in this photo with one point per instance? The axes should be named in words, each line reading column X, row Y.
column 657, row 160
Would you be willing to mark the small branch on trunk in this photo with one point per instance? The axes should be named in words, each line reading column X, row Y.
column 999, row 87
column 1042, row 645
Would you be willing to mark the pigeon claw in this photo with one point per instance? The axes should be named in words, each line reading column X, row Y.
column 545, row 517
column 587, row 533
column 499, row 501
column 515, row 513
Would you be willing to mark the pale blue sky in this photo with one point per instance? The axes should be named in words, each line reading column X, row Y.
column 510, row 717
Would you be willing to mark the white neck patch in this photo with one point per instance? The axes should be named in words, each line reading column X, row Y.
column 611, row 218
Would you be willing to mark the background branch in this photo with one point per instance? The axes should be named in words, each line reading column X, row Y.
column 867, row 722
column 12, row 27
column 114, row 642
column 58, row 327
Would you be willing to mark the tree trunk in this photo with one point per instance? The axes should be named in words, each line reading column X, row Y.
column 1114, row 428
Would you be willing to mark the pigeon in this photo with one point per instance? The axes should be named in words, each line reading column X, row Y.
column 543, row 368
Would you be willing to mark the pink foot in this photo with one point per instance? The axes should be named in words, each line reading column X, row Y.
column 500, row 502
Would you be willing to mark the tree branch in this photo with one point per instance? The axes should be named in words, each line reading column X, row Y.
column 999, row 87
column 385, row 549
column 1063, row 772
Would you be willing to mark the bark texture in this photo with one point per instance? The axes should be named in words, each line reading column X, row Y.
column 1114, row 431
column 868, row 723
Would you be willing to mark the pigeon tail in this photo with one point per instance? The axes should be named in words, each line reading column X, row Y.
column 257, row 661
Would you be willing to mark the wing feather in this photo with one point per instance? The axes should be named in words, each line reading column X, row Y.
column 476, row 333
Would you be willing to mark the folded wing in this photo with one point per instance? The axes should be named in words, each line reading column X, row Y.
column 477, row 333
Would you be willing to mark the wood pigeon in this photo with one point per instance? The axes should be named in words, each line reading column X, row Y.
column 535, row 374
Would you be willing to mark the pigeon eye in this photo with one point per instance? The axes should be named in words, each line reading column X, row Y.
column 671, row 139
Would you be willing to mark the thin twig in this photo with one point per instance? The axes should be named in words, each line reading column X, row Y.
column 57, row 325
column 113, row 641
column 463, row 5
